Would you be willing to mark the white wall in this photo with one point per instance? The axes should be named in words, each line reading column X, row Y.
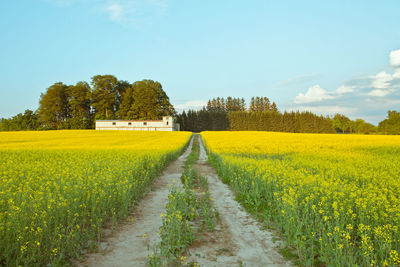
column 167, row 124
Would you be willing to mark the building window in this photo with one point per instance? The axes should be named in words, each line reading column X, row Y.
column 114, row 123
column 167, row 122
column 144, row 123
column 129, row 123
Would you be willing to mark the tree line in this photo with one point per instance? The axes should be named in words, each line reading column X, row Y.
column 78, row 106
column 263, row 115
column 295, row 122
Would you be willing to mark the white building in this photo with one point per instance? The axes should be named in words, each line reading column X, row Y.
column 166, row 124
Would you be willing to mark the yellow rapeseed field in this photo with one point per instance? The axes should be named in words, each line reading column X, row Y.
column 336, row 198
column 59, row 188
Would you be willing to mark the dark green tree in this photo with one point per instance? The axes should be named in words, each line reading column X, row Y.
column 341, row 123
column 274, row 107
column 21, row 122
column 390, row 125
column 54, row 110
column 150, row 101
column 361, row 127
column 182, row 120
column 260, row 104
column 105, row 95
column 121, row 88
column 125, row 110
column 79, row 104
column 252, row 106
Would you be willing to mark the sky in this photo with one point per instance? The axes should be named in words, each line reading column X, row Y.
column 323, row 56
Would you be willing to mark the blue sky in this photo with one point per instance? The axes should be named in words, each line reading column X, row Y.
column 323, row 56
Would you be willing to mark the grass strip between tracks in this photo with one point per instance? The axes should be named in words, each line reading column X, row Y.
column 189, row 213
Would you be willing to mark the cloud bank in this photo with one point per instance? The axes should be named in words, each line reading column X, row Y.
column 316, row 93
column 368, row 95
column 395, row 58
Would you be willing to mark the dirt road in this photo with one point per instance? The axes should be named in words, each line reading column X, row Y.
column 128, row 245
column 237, row 241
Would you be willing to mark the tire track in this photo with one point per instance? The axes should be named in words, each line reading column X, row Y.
column 127, row 246
column 238, row 239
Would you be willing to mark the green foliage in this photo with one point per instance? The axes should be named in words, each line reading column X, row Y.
column 189, row 212
column 150, row 101
column 54, row 202
column 391, row 125
column 231, row 114
column 121, row 88
column 79, row 100
column 334, row 198
column 295, row 122
column 21, row 122
column 104, row 96
column 66, row 107
column 213, row 117
column 359, row 126
column 234, row 104
column 202, row 120
column 54, row 109
column 176, row 232
column 222, row 105
column 262, row 115
column 78, row 106
column 341, row 123
column 125, row 111
column 259, row 104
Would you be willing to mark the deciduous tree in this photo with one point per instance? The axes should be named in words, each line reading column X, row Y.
column 79, row 103
column 54, row 109
column 390, row 125
column 150, row 101
column 341, row 123
column 105, row 96
column 125, row 111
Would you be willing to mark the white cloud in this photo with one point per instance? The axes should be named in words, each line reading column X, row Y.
column 344, row 89
column 370, row 95
column 379, row 92
column 384, row 83
column 317, row 94
column 395, row 58
column 116, row 11
column 193, row 104
column 314, row 94
column 381, row 80
column 379, row 85
column 396, row 75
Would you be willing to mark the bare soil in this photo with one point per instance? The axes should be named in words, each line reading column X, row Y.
column 127, row 245
column 238, row 239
